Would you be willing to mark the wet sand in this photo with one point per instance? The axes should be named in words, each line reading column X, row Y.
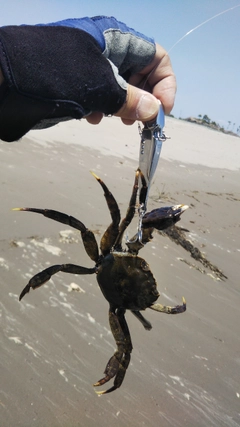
column 56, row 342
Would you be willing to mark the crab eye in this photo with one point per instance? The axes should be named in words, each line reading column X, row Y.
column 145, row 266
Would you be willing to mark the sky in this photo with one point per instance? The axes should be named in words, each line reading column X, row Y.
column 206, row 62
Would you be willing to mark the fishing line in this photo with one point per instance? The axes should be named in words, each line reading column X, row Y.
column 203, row 23
column 187, row 34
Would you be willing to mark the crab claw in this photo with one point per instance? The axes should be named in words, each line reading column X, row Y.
column 100, row 393
column 179, row 308
column 170, row 310
column 163, row 218
column 24, row 291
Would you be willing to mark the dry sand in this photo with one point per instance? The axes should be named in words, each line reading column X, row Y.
column 56, row 342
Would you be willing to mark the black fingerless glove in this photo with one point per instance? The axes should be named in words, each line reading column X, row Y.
column 52, row 74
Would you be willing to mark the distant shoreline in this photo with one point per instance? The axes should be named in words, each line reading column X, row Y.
column 210, row 125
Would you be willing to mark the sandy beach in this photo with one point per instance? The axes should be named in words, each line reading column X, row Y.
column 56, row 342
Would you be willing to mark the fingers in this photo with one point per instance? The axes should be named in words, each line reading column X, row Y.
column 140, row 105
column 165, row 91
column 158, row 78
column 161, row 79
column 154, row 83
column 94, row 118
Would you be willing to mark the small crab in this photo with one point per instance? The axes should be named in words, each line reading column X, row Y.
column 125, row 279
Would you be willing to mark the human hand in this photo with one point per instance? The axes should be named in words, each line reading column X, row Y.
column 156, row 82
column 132, row 72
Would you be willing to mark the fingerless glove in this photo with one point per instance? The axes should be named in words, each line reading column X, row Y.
column 52, row 73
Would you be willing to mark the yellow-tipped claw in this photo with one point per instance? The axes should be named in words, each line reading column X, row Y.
column 17, row 209
column 97, row 384
column 100, row 393
column 95, row 176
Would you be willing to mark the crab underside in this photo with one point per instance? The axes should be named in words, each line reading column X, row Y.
column 125, row 279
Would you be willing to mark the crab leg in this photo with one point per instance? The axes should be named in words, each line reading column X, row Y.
column 118, row 363
column 129, row 215
column 143, row 236
column 88, row 237
column 170, row 310
column 147, row 325
column 144, row 189
column 45, row 275
column 110, row 235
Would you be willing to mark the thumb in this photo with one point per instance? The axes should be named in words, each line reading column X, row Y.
column 140, row 105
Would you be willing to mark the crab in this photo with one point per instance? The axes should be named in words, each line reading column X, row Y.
column 125, row 279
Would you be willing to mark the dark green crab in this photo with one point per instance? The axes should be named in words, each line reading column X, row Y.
column 125, row 279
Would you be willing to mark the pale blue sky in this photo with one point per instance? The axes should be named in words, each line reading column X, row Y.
column 206, row 62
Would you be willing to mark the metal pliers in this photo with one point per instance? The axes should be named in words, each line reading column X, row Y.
column 152, row 137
